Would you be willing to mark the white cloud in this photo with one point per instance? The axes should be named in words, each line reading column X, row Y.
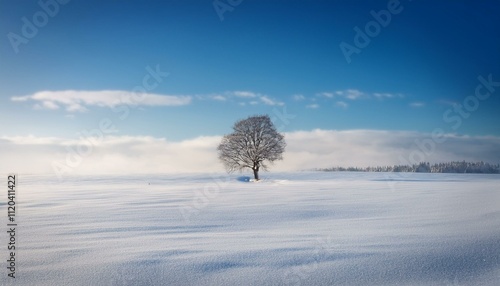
column 75, row 107
column 268, row 101
column 417, row 104
column 327, row 148
column 78, row 101
column 353, row 94
column 219, row 97
column 312, row 106
column 247, row 94
column 113, row 154
column 298, row 97
column 342, row 104
column 47, row 105
column 383, row 95
column 326, row 94
column 305, row 150
column 243, row 98
column 387, row 95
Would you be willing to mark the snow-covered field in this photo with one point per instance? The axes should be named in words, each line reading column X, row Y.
column 302, row 228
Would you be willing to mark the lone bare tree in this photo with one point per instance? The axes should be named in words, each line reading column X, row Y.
column 253, row 144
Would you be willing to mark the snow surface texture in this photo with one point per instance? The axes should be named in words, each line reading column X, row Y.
column 302, row 228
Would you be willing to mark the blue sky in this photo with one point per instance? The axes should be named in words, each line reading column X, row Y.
column 261, row 57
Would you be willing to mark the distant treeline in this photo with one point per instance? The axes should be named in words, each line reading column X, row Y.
column 425, row 167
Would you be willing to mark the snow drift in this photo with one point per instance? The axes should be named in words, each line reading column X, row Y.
column 289, row 229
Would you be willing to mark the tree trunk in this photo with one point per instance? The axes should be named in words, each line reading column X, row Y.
column 256, row 173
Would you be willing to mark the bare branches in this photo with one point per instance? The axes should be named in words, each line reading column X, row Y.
column 253, row 143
